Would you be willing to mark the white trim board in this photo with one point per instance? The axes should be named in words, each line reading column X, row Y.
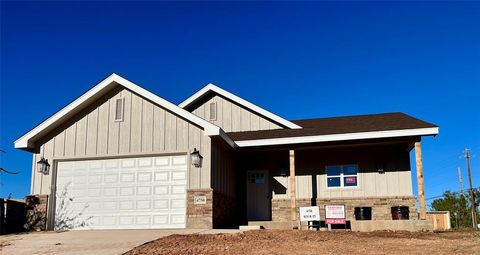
column 339, row 137
column 211, row 87
column 25, row 142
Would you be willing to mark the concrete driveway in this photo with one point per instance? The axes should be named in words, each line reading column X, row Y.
column 103, row 242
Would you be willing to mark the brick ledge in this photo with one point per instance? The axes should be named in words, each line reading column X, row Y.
column 347, row 198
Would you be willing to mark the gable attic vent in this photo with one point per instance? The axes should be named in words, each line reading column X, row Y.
column 213, row 111
column 119, row 105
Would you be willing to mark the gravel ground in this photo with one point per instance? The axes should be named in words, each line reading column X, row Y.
column 313, row 242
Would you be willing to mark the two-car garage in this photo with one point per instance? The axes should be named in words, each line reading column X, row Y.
column 122, row 193
column 118, row 157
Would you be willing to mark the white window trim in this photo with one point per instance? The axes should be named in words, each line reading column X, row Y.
column 342, row 176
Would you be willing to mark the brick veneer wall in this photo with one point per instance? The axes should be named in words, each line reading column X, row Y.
column 281, row 208
column 381, row 206
column 200, row 215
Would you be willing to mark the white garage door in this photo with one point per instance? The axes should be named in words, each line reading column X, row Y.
column 128, row 193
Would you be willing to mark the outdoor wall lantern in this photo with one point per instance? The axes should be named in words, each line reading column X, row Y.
column 196, row 158
column 43, row 166
column 283, row 172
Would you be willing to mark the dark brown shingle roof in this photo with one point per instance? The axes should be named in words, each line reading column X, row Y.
column 338, row 125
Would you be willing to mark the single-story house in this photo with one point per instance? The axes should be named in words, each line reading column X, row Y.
column 121, row 157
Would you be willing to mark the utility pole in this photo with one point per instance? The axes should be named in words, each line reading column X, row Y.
column 472, row 195
column 461, row 181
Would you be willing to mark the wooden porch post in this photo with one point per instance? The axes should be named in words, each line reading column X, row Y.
column 421, row 189
column 293, row 193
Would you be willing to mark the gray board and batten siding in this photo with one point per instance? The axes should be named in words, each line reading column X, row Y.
column 230, row 116
column 146, row 129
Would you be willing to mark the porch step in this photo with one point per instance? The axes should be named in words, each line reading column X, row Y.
column 249, row 227
column 273, row 224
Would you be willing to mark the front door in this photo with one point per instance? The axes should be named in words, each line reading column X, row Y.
column 258, row 196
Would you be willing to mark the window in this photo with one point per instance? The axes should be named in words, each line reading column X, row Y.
column 342, row 176
column 213, row 111
column 334, row 176
column 119, row 103
column 256, row 178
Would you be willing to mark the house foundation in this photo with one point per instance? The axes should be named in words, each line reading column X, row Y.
column 391, row 225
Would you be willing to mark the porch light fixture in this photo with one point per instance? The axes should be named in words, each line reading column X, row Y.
column 196, row 158
column 43, row 166
column 283, row 172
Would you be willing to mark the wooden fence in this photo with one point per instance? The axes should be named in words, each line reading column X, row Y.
column 441, row 220
column 12, row 216
column 2, row 217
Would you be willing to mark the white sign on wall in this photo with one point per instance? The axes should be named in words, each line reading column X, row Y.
column 310, row 213
column 335, row 214
column 199, row 200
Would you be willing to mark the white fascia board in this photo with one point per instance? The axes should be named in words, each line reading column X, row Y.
column 339, row 137
column 24, row 141
column 238, row 100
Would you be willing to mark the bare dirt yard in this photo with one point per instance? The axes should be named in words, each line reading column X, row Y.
column 314, row 242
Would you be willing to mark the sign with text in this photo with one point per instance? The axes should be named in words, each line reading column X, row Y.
column 335, row 214
column 199, row 200
column 310, row 213
column 351, row 180
column 335, row 221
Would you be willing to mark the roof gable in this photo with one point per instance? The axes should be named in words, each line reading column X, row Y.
column 27, row 141
column 248, row 105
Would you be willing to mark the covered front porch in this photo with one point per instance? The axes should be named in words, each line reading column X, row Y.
column 277, row 180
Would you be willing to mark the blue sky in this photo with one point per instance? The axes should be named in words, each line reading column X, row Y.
column 299, row 60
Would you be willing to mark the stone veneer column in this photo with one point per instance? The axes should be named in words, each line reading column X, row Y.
column 293, row 193
column 421, row 189
column 200, row 216
column 36, row 207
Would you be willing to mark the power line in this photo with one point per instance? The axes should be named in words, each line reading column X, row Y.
column 454, row 192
